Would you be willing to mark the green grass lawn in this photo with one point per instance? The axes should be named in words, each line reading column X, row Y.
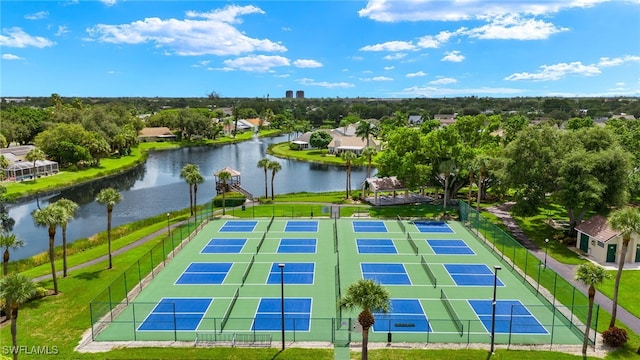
column 314, row 155
column 628, row 294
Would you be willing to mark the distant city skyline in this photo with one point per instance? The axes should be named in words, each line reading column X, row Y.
column 348, row 49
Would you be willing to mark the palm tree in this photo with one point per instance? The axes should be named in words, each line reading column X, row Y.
column 186, row 173
column 15, row 289
column 264, row 164
column 369, row 296
column 34, row 155
column 51, row 216
column 446, row 168
column 592, row 275
column 70, row 208
column 348, row 156
column 196, row 178
column 369, row 153
column 7, row 241
column 109, row 197
column 365, row 130
column 275, row 167
column 224, row 176
column 627, row 221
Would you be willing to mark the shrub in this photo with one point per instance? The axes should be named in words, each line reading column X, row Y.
column 615, row 337
column 40, row 292
column 231, row 199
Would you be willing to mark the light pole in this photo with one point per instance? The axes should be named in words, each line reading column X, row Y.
column 168, row 225
column 493, row 306
column 546, row 249
column 281, row 266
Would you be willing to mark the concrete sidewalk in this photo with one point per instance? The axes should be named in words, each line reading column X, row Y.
column 567, row 272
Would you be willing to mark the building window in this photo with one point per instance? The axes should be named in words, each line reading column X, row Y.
column 600, row 244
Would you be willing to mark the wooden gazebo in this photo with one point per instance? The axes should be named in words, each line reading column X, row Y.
column 232, row 182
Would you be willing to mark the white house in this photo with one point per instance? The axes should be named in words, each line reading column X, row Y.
column 603, row 244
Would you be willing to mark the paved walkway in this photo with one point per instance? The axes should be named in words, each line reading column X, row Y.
column 564, row 270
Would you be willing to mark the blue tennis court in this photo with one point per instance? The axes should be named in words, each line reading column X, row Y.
column 472, row 275
column 385, row 274
column 297, row 246
column 301, row 226
column 176, row 314
column 224, row 246
column 204, row 273
column 511, row 317
column 376, row 246
column 369, row 226
column 450, row 247
column 294, row 273
column 433, row 227
column 405, row 315
column 297, row 314
column 239, row 226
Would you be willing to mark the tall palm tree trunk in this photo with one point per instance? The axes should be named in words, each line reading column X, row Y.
column 64, row 250
column 266, row 190
column 5, row 262
column 109, row 211
column 195, row 200
column 13, row 315
column 585, row 342
column 616, row 286
column 365, row 343
column 273, row 176
column 52, row 238
column 191, row 199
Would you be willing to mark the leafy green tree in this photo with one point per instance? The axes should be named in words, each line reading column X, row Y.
column 197, row 178
column 274, row 166
column 264, row 164
column 365, row 130
column 579, row 123
column 70, row 208
column 512, row 125
column 6, row 221
column 188, row 173
column 4, row 164
column 320, row 139
column 446, row 168
column 591, row 275
column 369, row 153
column 50, row 217
column 109, row 197
column 3, row 141
column 370, row 297
column 627, row 221
column 348, row 157
column 15, row 289
column 8, row 241
column 224, row 176
column 34, row 155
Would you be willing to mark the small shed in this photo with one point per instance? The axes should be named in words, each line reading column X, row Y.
column 597, row 239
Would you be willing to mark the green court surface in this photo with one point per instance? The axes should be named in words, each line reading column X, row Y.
column 226, row 282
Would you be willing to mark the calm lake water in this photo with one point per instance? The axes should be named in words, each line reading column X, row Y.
column 156, row 187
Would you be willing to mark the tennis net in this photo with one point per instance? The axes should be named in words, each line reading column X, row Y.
column 452, row 312
column 429, row 272
column 229, row 308
column 246, row 272
column 413, row 244
column 264, row 235
column 270, row 222
column 401, row 224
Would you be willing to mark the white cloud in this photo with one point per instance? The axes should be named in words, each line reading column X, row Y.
column 284, row 28
column 108, row 2
column 397, row 56
column 202, row 63
column 11, row 57
column 62, row 30
column 456, row 10
column 307, row 63
column 16, row 37
column 257, row 63
column 557, row 71
column 389, row 68
column 430, row 91
column 453, row 56
column 210, row 33
column 325, row 84
column 282, row 76
column 606, row 61
column 416, row 74
column 514, row 27
column 443, row 81
column 391, row 46
column 377, row 78
column 37, row 16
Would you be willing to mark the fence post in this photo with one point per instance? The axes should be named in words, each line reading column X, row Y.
column 133, row 310
column 555, row 282
column 91, row 320
column 139, row 275
column 126, row 292
column 553, row 327
column 110, row 304
column 526, row 260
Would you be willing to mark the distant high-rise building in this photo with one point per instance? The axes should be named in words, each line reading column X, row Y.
column 289, row 94
column 299, row 94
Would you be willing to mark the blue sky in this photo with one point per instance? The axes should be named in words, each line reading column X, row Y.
column 376, row 48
